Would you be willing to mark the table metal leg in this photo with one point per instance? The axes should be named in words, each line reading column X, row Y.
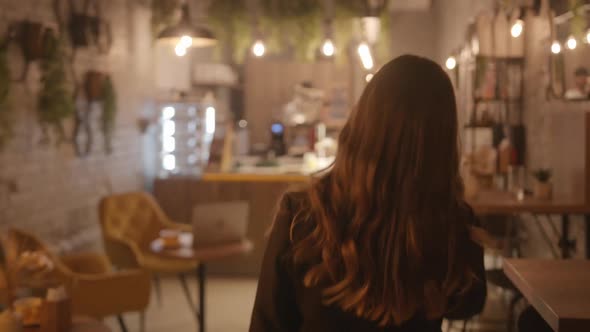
column 202, row 274
column 565, row 243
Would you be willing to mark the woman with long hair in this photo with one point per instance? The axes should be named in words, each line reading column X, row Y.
column 381, row 241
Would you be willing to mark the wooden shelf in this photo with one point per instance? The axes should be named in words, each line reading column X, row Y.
column 498, row 100
column 480, row 126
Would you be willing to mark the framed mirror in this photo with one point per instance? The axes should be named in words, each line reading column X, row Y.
column 570, row 50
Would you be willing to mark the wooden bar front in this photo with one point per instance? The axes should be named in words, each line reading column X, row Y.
column 178, row 196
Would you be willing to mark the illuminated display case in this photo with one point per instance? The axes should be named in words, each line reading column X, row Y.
column 185, row 132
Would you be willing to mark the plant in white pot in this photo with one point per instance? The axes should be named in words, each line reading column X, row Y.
column 542, row 186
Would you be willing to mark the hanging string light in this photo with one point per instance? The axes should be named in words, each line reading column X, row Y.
column 556, row 47
column 517, row 28
column 451, row 63
column 328, row 48
column 258, row 49
column 365, row 54
column 571, row 43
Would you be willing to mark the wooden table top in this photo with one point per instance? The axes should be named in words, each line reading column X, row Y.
column 499, row 202
column 255, row 177
column 206, row 253
column 79, row 324
column 558, row 289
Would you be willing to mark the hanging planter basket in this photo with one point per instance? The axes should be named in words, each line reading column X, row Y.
column 84, row 30
column 32, row 40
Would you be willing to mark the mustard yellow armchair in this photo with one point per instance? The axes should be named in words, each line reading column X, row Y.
column 94, row 288
column 130, row 222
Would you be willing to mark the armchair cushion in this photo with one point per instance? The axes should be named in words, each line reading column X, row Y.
column 87, row 263
column 103, row 295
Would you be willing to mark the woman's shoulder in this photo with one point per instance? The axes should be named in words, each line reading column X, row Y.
column 295, row 199
column 469, row 214
column 293, row 206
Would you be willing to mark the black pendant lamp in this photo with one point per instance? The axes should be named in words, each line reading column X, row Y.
column 200, row 36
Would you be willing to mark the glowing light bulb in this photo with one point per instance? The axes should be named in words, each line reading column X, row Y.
column 517, row 28
column 168, row 112
column 451, row 63
column 258, row 48
column 369, row 77
column 588, row 37
column 169, row 128
column 169, row 144
column 328, row 48
column 571, row 43
column 169, row 162
column 210, row 120
column 366, row 57
column 186, row 41
column 555, row 47
column 180, row 50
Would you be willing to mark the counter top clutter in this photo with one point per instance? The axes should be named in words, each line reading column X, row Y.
column 310, row 163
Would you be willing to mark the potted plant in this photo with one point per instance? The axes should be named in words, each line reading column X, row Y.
column 542, row 186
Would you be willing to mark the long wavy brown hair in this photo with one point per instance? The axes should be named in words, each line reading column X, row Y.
column 387, row 223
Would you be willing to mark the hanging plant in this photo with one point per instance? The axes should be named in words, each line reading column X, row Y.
column 109, row 112
column 299, row 25
column 55, row 98
column 5, row 118
column 294, row 25
column 230, row 20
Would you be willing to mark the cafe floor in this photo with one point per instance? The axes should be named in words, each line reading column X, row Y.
column 230, row 301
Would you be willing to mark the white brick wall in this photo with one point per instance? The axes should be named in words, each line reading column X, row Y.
column 57, row 193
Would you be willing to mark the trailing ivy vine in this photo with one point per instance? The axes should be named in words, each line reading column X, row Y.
column 55, row 98
column 231, row 22
column 109, row 112
column 5, row 117
column 293, row 27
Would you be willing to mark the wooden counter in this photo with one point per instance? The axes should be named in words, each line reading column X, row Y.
column 498, row 202
column 178, row 196
column 558, row 290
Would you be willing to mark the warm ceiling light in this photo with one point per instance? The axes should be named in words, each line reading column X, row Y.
column 366, row 57
column 258, row 49
column 451, row 63
column 555, row 47
column 187, row 35
column 517, row 28
column 588, row 37
column 180, row 50
column 571, row 43
column 328, row 48
column 186, row 41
